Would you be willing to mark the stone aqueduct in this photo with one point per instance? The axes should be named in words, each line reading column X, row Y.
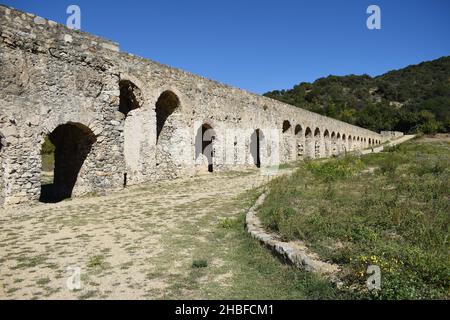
column 118, row 119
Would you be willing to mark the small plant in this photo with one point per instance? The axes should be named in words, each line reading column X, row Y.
column 43, row 281
column 227, row 223
column 96, row 261
column 199, row 264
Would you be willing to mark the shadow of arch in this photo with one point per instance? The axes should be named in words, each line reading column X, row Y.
column 73, row 142
column 317, row 133
column 168, row 102
column 286, row 126
column 131, row 97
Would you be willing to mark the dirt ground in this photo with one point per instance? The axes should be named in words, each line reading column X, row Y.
column 140, row 243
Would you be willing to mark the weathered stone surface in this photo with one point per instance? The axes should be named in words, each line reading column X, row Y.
column 141, row 118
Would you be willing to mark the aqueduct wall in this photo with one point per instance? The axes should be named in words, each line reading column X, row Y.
column 118, row 119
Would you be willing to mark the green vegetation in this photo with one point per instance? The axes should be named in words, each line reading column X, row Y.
column 47, row 153
column 413, row 99
column 200, row 264
column 389, row 209
column 97, row 261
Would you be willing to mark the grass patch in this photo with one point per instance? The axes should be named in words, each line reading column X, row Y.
column 199, row 264
column 396, row 217
column 43, row 281
column 96, row 262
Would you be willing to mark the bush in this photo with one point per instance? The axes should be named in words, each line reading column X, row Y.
column 198, row 264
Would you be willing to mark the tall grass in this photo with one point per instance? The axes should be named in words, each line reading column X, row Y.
column 395, row 216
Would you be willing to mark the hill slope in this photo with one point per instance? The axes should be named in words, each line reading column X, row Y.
column 413, row 99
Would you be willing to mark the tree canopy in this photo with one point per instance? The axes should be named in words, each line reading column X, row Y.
column 413, row 99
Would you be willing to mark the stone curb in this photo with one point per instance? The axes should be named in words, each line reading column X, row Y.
column 295, row 253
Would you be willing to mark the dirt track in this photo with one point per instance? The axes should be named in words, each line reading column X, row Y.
column 136, row 244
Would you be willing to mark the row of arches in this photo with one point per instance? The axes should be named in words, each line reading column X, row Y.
column 313, row 144
column 73, row 142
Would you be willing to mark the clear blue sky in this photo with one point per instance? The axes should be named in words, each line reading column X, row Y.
column 262, row 45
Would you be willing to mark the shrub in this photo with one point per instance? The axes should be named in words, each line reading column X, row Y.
column 198, row 264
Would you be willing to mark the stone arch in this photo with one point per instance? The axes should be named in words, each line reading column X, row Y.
column 256, row 146
column 286, row 126
column 73, row 143
column 131, row 104
column 370, row 142
column 339, row 143
column 317, row 144
column 344, row 143
column 334, row 146
column 327, row 143
column 309, row 143
column 166, row 105
column 300, row 141
column 349, row 143
column 205, row 146
column 287, row 142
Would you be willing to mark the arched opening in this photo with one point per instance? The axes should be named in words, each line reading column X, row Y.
column 64, row 151
column 299, row 141
column 130, row 97
column 327, row 143
column 370, row 142
column 309, row 142
column 350, row 143
column 344, row 143
column 317, row 144
column 205, row 144
column 256, row 141
column 288, row 148
column 286, row 126
column 334, row 150
column 166, row 105
column 131, row 100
